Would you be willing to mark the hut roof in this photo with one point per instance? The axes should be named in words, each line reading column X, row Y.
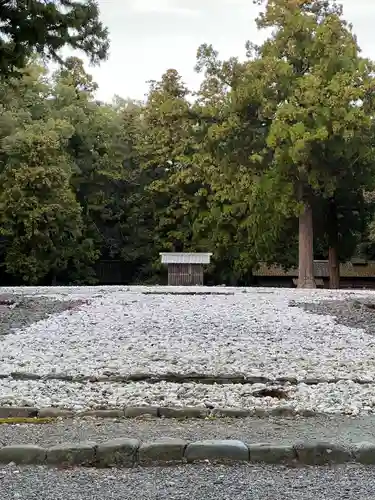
column 185, row 258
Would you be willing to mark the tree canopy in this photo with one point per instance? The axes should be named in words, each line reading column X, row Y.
column 270, row 161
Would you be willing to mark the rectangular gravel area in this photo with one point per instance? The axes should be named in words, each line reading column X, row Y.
column 253, row 332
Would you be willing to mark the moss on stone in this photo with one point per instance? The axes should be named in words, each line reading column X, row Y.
column 25, row 420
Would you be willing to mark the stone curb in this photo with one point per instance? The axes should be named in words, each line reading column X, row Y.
column 185, row 412
column 199, row 378
column 126, row 452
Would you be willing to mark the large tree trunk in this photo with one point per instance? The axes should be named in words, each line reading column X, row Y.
column 306, row 248
column 333, row 258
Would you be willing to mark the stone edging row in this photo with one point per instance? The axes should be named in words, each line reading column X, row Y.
column 177, row 378
column 131, row 452
column 27, row 412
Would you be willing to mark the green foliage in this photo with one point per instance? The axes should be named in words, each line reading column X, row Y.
column 43, row 232
column 39, row 215
column 46, row 27
column 317, row 98
column 250, row 205
column 97, row 149
column 217, row 170
column 321, row 129
column 166, row 150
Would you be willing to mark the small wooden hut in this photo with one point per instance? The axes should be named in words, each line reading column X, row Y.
column 185, row 269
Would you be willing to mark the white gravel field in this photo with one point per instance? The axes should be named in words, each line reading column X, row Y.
column 251, row 332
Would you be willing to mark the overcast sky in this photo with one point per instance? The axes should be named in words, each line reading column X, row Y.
column 151, row 36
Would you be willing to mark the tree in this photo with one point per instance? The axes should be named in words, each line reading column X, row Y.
column 46, row 27
column 340, row 226
column 30, row 114
column 280, row 140
column 166, row 149
column 97, row 159
column 250, row 209
column 39, row 215
column 98, row 151
column 321, row 121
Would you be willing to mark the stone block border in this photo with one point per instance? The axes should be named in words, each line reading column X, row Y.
column 27, row 412
column 128, row 452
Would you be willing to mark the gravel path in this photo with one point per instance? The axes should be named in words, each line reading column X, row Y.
column 253, row 332
column 205, row 482
column 337, row 429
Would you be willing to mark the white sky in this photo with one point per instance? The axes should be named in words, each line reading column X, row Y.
column 150, row 36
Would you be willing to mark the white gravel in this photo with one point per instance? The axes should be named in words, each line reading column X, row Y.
column 251, row 332
column 344, row 397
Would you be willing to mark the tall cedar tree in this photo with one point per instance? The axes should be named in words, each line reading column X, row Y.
column 325, row 93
